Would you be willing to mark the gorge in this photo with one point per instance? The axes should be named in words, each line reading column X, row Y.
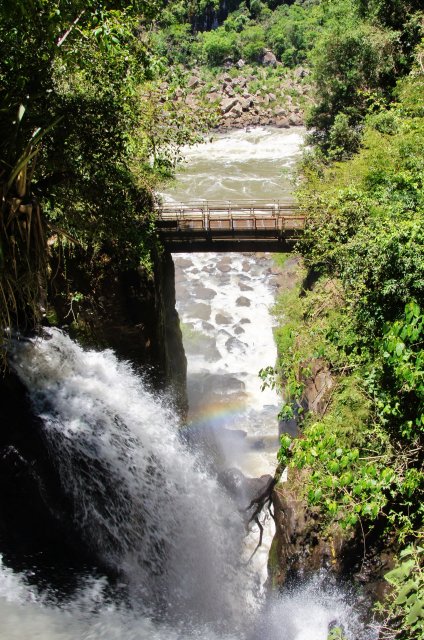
column 145, row 507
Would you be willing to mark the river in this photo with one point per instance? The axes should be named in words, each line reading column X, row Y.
column 150, row 505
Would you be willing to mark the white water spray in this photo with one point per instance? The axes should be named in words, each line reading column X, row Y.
column 140, row 503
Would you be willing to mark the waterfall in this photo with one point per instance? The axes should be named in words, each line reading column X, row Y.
column 144, row 504
column 140, row 501
column 171, row 540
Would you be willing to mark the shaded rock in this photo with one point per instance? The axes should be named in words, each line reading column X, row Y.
column 236, row 111
column 280, row 111
column 239, row 330
column 318, row 384
column 204, row 344
column 246, row 103
column 213, row 97
column 183, row 262
column 235, row 345
column 299, row 550
column 199, row 310
column 269, row 59
column 242, row 301
column 245, row 287
column 242, row 488
column 300, row 547
column 282, row 123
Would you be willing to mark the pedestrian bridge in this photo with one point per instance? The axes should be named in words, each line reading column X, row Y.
column 242, row 225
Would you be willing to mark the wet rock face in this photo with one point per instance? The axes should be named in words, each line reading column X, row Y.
column 131, row 312
column 35, row 516
column 299, row 550
column 242, row 488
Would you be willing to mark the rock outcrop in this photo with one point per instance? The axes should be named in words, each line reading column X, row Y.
column 132, row 312
column 239, row 103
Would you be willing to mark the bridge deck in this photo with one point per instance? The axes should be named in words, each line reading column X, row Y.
column 230, row 226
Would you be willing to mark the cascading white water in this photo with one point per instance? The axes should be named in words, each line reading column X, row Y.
column 145, row 504
column 140, row 501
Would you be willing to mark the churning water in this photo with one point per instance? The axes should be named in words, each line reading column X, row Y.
column 147, row 505
column 148, row 509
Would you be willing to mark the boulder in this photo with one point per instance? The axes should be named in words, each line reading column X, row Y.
column 193, row 82
column 213, row 96
column 246, row 103
column 241, row 488
column 269, row 59
column 282, row 123
column 227, row 104
column 237, row 110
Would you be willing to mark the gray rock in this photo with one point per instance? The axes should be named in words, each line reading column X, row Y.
column 246, row 103
column 242, row 301
column 228, row 103
column 236, row 111
column 204, row 293
column 282, row 123
column 193, row 82
column 221, row 318
column 235, row 345
column 269, row 59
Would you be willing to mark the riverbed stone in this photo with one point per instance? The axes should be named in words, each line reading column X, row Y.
column 245, row 287
column 234, row 345
column 222, row 318
column 199, row 310
column 204, row 293
column 193, row 82
column 227, row 104
column 242, row 301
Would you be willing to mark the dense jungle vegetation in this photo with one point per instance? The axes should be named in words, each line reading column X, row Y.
column 88, row 128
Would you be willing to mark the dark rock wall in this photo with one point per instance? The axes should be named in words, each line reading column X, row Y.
column 132, row 312
column 302, row 545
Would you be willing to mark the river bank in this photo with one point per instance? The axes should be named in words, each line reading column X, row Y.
column 245, row 96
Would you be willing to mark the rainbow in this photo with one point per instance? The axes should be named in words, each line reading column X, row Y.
column 217, row 414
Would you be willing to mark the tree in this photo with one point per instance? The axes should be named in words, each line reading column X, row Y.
column 69, row 106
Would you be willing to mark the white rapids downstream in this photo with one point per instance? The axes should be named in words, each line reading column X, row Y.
column 151, row 507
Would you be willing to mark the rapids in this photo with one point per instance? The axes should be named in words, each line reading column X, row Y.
column 147, row 505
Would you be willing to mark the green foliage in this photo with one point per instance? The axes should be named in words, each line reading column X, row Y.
column 363, row 322
column 292, row 31
column 218, row 46
column 350, row 63
column 403, row 611
column 252, row 43
column 343, row 139
column 336, row 633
